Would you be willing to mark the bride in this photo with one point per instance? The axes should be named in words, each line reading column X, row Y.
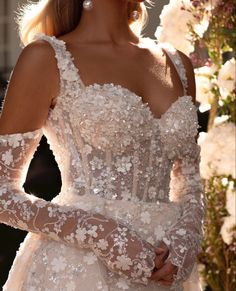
column 118, row 112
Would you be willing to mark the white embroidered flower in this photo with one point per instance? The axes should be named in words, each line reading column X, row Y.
column 15, row 141
column 227, row 78
column 181, row 231
column 152, row 192
column 51, row 212
column 81, row 234
column 122, row 284
column 182, row 248
column 126, row 194
column 7, row 157
column 102, row 244
column 58, row 264
column 123, row 164
column 70, row 238
column 166, row 241
column 87, row 149
column 151, row 240
column 20, row 199
column 3, row 191
column 145, row 217
column 69, row 75
column 159, row 232
column 112, row 117
column 96, row 163
column 80, row 181
column 93, row 231
column 123, row 262
column 90, row 258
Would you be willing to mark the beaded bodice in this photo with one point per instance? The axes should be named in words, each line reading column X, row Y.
column 129, row 179
column 111, row 144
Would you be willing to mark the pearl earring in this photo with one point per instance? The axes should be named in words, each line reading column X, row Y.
column 88, row 4
column 135, row 15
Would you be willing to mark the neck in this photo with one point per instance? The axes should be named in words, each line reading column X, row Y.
column 106, row 22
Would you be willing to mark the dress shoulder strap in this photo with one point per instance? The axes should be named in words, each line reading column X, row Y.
column 65, row 67
column 177, row 61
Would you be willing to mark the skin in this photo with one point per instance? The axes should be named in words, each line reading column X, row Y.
column 105, row 50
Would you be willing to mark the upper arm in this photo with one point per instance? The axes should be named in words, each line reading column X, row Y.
column 33, row 84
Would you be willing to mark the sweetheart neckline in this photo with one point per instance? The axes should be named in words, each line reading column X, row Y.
column 145, row 104
column 103, row 85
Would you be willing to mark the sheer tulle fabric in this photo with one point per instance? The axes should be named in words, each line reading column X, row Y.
column 129, row 181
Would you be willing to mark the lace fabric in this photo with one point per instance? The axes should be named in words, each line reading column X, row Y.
column 133, row 179
column 185, row 236
column 120, row 249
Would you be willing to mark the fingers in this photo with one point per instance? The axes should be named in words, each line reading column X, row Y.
column 163, row 245
column 168, row 270
column 162, row 255
column 168, row 278
column 159, row 261
column 159, row 251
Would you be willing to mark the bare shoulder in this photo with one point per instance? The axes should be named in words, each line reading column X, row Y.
column 37, row 62
column 187, row 63
column 33, row 84
column 37, row 55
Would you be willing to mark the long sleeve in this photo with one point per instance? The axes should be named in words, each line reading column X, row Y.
column 185, row 236
column 121, row 250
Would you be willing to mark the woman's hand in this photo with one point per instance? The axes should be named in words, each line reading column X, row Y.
column 162, row 253
column 165, row 275
column 164, row 270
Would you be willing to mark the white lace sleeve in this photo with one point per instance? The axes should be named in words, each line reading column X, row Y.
column 186, row 187
column 184, row 237
column 121, row 250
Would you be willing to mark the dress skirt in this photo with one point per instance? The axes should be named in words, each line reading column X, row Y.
column 42, row 264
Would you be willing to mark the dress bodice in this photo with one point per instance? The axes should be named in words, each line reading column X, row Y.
column 128, row 178
column 108, row 142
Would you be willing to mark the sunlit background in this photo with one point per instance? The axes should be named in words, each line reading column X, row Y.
column 205, row 31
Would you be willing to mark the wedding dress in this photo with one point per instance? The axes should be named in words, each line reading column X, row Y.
column 126, row 175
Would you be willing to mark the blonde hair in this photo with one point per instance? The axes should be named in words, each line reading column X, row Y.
column 58, row 17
